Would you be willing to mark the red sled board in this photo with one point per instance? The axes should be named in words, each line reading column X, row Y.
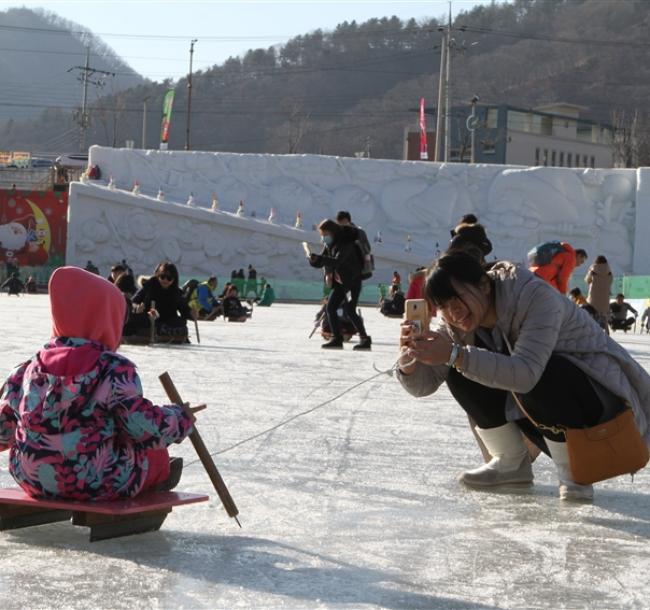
column 106, row 520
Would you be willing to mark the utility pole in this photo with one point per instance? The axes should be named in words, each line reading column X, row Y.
column 448, row 91
column 144, row 122
column 84, row 102
column 472, row 125
column 189, row 97
column 85, row 79
column 439, row 123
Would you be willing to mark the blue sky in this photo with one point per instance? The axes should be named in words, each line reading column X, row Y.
column 240, row 24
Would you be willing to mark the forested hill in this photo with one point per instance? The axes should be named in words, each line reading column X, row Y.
column 337, row 92
column 37, row 49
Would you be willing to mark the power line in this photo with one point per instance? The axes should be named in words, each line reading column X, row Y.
column 563, row 39
column 231, row 38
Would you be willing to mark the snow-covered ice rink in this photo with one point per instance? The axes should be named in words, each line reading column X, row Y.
column 355, row 505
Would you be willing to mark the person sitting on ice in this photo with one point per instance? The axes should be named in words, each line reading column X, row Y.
column 645, row 317
column 13, row 285
column 171, row 311
column 618, row 318
column 505, row 330
column 575, row 294
column 268, row 296
column 393, row 307
column 233, row 310
column 91, row 267
column 123, row 281
column 74, row 417
column 554, row 262
column 203, row 301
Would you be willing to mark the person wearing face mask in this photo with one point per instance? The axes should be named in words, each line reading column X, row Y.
column 342, row 261
column 505, row 330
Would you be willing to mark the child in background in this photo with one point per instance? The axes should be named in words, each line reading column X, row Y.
column 74, row 417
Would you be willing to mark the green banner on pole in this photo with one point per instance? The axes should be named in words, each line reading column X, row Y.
column 168, row 102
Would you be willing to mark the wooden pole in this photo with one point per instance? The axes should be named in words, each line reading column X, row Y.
column 203, row 453
column 196, row 327
column 152, row 322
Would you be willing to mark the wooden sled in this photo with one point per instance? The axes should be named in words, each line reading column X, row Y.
column 159, row 339
column 145, row 513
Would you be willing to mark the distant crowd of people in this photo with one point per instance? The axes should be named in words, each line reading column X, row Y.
column 161, row 304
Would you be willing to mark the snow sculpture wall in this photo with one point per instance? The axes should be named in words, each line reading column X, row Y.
column 106, row 226
column 599, row 210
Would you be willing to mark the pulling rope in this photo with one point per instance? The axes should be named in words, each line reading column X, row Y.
column 329, row 401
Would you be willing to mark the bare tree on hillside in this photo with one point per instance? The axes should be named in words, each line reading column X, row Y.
column 631, row 143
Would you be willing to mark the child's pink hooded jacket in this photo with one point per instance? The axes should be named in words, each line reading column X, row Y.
column 73, row 416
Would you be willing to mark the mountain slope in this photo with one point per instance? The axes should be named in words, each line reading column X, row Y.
column 339, row 92
column 37, row 49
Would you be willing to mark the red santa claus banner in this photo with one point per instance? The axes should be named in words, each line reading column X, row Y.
column 33, row 230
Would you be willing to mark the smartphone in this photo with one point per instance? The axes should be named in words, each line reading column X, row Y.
column 305, row 247
column 417, row 311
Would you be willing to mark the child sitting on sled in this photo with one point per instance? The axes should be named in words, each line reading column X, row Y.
column 73, row 416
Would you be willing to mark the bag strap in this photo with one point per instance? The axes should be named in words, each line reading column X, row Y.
column 552, row 429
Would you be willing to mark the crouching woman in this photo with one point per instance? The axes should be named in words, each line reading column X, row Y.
column 505, row 333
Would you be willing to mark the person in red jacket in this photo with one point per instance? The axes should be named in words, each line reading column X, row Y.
column 558, row 272
column 416, row 285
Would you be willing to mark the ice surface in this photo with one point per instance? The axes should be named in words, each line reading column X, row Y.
column 353, row 506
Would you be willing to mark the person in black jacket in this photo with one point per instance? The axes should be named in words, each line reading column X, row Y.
column 14, row 285
column 342, row 261
column 171, row 311
column 471, row 238
column 122, row 280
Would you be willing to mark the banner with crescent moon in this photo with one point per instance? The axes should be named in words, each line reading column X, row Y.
column 33, row 231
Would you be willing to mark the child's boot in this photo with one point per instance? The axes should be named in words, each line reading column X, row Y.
column 175, row 473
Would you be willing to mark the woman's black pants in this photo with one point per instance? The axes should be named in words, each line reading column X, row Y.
column 338, row 298
column 564, row 396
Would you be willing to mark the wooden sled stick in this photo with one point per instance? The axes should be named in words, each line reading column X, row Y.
column 152, row 325
column 317, row 324
column 196, row 327
column 203, row 453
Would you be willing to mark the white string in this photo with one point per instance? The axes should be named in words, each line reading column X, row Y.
column 396, row 366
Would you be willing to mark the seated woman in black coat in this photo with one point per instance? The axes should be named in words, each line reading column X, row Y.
column 171, row 311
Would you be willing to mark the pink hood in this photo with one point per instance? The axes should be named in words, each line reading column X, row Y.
column 87, row 306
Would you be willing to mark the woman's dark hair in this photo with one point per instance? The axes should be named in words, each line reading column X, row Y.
column 455, row 265
column 167, row 268
column 581, row 252
column 330, row 226
column 601, row 260
column 118, row 267
column 575, row 292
